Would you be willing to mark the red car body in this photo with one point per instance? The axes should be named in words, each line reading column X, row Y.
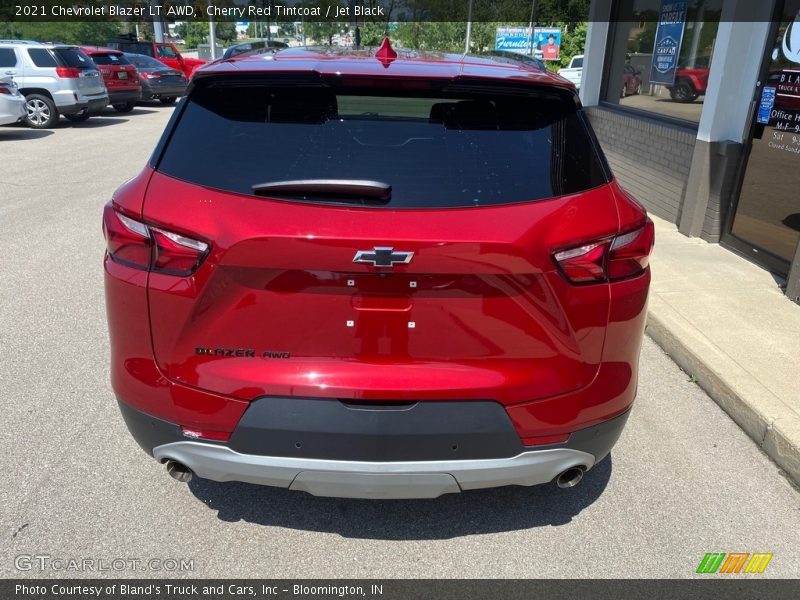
column 119, row 76
column 530, row 311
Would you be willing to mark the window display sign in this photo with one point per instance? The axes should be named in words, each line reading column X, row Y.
column 667, row 48
column 766, row 104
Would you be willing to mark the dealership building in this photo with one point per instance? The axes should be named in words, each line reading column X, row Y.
column 717, row 151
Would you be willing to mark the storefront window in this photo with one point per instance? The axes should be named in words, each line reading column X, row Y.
column 661, row 56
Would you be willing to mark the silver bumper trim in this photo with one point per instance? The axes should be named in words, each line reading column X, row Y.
column 387, row 480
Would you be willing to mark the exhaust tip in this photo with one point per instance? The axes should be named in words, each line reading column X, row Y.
column 179, row 471
column 571, row 477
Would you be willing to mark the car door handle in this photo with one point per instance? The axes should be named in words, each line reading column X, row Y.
column 9, row 72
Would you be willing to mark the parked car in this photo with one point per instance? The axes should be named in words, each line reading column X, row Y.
column 158, row 81
column 432, row 284
column 12, row 103
column 254, row 45
column 516, row 57
column 574, row 71
column 164, row 52
column 56, row 79
column 690, row 83
column 631, row 81
column 119, row 75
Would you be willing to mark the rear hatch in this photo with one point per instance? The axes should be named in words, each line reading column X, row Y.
column 379, row 240
column 80, row 68
column 118, row 73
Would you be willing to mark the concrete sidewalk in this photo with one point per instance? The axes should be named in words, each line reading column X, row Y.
column 725, row 322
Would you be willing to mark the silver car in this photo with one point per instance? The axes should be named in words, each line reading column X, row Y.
column 12, row 103
column 56, row 79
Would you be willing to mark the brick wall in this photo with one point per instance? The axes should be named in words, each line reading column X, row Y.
column 650, row 159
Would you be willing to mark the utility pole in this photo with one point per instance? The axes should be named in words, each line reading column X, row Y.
column 530, row 26
column 158, row 25
column 212, row 37
column 469, row 27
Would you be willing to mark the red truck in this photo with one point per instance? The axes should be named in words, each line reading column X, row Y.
column 164, row 52
column 690, row 83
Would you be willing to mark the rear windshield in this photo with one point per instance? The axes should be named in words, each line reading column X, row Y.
column 73, row 57
column 110, row 59
column 435, row 148
column 577, row 63
column 140, row 61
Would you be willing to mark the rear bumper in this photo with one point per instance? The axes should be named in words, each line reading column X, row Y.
column 122, row 96
column 337, row 456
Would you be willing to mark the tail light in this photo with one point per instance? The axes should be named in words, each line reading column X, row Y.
column 142, row 246
column 610, row 259
column 68, row 72
column 6, row 89
column 151, row 75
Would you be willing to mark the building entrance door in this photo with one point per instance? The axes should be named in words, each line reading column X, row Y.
column 765, row 223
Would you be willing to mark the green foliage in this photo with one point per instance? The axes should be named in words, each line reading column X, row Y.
column 88, row 33
column 372, row 34
column 193, row 33
column 226, row 31
column 323, row 32
column 573, row 41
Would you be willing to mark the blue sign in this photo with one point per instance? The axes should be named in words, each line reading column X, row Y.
column 513, row 39
column 546, row 41
column 766, row 104
column 669, row 36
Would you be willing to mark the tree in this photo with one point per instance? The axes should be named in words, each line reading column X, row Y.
column 226, row 31
column 70, row 32
column 194, row 33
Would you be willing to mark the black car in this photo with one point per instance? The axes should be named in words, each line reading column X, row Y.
column 260, row 45
column 158, row 80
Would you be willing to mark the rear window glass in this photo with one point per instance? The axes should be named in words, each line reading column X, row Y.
column 140, row 61
column 109, row 59
column 42, row 57
column 7, row 57
column 577, row 63
column 445, row 148
column 72, row 57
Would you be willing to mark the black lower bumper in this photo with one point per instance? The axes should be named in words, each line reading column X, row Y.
column 333, row 430
column 124, row 97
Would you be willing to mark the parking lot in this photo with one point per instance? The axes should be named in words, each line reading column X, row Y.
column 684, row 480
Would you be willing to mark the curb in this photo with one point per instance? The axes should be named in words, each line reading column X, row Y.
column 761, row 414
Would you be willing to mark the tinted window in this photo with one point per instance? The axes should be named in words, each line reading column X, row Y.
column 42, row 57
column 72, row 57
column 109, row 59
column 577, row 62
column 8, row 57
column 167, row 52
column 436, row 149
column 144, row 62
column 135, row 47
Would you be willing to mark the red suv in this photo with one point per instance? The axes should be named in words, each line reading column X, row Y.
column 119, row 75
column 432, row 284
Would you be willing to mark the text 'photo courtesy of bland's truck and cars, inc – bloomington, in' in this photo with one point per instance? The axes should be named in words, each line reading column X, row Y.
column 401, row 299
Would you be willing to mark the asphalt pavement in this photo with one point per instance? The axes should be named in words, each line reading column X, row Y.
column 684, row 480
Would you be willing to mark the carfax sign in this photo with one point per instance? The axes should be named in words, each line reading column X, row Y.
column 669, row 36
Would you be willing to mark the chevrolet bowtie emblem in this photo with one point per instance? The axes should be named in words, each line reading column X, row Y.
column 383, row 256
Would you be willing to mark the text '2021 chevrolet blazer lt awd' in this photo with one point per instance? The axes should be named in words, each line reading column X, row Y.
column 368, row 275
